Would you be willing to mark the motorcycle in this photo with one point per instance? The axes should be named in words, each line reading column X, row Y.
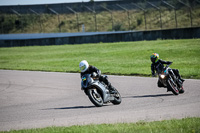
column 98, row 92
column 169, row 80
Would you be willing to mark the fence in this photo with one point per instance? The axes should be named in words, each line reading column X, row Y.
column 48, row 39
column 100, row 16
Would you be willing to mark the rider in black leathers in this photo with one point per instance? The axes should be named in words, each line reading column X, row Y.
column 157, row 65
column 90, row 69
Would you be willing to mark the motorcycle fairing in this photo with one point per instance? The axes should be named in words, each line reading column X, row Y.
column 88, row 82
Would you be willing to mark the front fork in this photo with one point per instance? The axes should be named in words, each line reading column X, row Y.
column 175, row 79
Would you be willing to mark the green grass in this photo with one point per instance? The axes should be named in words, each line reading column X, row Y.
column 186, row 125
column 123, row 58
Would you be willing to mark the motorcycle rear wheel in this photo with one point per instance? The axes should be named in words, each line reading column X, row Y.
column 95, row 97
column 181, row 90
column 117, row 98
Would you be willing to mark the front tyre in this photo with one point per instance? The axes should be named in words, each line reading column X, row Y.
column 95, row 97
column 172, row 86
column 117, row 98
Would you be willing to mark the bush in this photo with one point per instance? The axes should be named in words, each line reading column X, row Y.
column 139, row 21
column 118, row 27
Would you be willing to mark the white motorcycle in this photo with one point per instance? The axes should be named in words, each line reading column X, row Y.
column 98, row 92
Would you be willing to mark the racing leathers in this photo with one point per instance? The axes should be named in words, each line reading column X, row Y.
column 158, row 66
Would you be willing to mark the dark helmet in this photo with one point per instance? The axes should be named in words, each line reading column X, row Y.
column 154, row 57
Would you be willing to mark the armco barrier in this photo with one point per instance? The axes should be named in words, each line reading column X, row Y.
column 96, row 37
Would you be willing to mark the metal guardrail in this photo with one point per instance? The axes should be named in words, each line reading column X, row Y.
column 96, row 37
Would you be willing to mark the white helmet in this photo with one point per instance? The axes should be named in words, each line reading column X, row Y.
column 83, row 65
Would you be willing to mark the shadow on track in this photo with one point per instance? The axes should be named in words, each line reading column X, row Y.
column 143, row 96
column 75, row 107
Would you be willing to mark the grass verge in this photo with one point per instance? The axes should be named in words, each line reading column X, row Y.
column 122, row 58
column 186, row 125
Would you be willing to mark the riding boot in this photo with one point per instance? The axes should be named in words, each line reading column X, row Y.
column 111, row 89
column 182, row 79
column 178, row 75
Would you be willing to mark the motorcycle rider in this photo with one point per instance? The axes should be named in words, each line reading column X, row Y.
column 89, row 69
column 157, row 65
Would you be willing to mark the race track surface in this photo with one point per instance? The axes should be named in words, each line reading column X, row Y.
column 31, row 99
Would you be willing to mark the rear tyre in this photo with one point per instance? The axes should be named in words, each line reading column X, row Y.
column 181, row 91
column 117, row 98
column 95, row 97
column 171, row 86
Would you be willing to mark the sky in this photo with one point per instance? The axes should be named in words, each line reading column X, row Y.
column 29, row 2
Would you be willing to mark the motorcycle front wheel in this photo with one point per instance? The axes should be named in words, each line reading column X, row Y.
column 172, row 86
column 95, row 97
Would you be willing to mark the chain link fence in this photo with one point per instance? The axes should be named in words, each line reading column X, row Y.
column 100, row 16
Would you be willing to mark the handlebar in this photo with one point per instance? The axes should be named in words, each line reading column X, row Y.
column 166, row 66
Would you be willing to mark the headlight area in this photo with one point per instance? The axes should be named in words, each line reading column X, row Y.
column 162, row 76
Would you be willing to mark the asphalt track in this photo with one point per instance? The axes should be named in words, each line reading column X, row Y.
column 31, row 99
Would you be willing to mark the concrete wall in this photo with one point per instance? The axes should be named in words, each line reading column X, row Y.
column 183, row 33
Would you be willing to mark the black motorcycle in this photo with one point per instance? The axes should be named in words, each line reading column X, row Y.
column 98, row 92
column 169, row 80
